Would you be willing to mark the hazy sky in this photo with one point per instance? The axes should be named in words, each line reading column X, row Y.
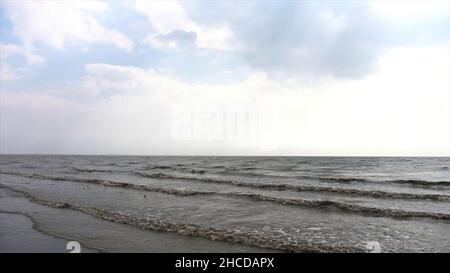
column 225, row 78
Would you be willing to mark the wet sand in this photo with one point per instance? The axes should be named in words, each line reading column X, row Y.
column 18, row 234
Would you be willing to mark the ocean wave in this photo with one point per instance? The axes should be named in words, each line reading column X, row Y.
column 394, row 181
column 371, row 211
column 340, row 179
column 412, row 182
column 278, row 187
column 89, row 170
column 29, row 167
column 178, row 167
column 345, row 207
column 108, row 183
column 160, row 167
column 211, row 233
column 302, row 188
column 421, row 182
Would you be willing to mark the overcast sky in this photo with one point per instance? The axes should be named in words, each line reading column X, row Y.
column 225, row 78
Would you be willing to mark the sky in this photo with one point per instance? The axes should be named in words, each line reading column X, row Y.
column 296, row 78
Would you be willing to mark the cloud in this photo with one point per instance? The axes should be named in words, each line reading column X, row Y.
column 127, row 80
column 312, row 39
column 10, row 50
column 133, row 111
column 139, row 111
column 169, row 20
column 340, row 79
column 7, row 73
column 410, row 8
column 55, row 23
column 172, row 39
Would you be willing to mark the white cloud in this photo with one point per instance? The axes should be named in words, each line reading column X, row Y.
column 401, row 110
column 7, row 73
column 9, row 50
column 167, row 17
column 55, row 23
column 128, row 80
column 409, row 8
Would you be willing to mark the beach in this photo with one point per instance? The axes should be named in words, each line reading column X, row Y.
column 223, row 204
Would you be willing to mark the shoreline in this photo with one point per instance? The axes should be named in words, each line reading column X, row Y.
column 20, row 233
column 52, row 227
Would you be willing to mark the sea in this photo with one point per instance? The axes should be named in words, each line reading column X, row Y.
column 224, row 204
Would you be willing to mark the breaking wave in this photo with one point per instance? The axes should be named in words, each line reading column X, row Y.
column 107, row 183
column 178, row 167
column 280, row 187
column 211, row 233
column 410, row 182
column 352, row 208
column 87, row 170
column 399, row 181
column 345, row 207
column 382, row 212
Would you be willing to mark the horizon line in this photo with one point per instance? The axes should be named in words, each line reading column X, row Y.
column 208, row 155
